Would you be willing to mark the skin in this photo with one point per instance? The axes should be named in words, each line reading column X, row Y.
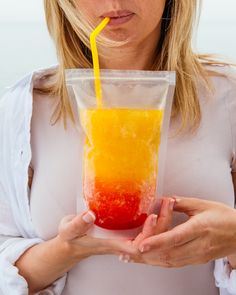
column 210, row 231
column 141, row 33
column 44, row 263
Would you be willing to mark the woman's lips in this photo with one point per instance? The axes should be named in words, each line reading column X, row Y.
column 119, row 17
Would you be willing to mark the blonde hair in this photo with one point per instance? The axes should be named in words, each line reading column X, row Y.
column 70, row 35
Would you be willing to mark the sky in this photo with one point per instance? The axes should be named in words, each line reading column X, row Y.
column 32, row 10
column 21, row 10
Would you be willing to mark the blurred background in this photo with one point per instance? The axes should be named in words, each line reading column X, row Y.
column 26, row 45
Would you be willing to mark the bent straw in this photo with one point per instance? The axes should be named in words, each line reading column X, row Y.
column 96, row 68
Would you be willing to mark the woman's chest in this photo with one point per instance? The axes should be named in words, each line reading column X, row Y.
column 56, row 160
column 196, row 165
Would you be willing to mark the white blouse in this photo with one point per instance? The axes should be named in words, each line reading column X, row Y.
column 17, row 230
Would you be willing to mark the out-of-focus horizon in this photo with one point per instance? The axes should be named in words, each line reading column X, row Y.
column 25, row 44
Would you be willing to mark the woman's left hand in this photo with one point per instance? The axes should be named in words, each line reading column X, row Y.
column 209, row 233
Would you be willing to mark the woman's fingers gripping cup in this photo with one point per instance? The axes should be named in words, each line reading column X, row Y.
column 154, row 225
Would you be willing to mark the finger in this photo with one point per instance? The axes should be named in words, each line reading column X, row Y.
column 148, row 229
column 157, row 224
column 74, row 226
column 149, row 226
column 190, row 206
column 165, row 217
column 179, row 235
column 125, row 258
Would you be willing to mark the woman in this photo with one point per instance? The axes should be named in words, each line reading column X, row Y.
column 35, row 255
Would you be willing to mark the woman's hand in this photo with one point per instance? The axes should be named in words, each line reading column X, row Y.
column 72, row 233
column 209, row 233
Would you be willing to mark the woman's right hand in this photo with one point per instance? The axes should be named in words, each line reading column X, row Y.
column 72, row 233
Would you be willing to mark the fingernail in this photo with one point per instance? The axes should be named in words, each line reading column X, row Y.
column 176, row 198
column 144, row 248
column 89, row 217
column 171, row 204
column 124, row 258
column 154, row 220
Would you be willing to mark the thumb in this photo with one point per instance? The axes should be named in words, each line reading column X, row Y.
column 75, row 226
column 189, row 206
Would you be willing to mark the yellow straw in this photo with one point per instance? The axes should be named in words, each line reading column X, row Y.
column 96, row 68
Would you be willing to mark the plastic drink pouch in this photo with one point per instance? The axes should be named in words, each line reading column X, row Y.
column 124, row 142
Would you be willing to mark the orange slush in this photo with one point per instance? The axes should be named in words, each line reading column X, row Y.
column 120, row 164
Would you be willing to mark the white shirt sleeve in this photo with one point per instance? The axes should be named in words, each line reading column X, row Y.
column 13, row 245
column 225, row 277
column 11, row 282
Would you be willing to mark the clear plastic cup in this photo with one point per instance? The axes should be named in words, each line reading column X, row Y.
column 121, row 175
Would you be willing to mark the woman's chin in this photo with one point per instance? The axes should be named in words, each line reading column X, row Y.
column 122, row 35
